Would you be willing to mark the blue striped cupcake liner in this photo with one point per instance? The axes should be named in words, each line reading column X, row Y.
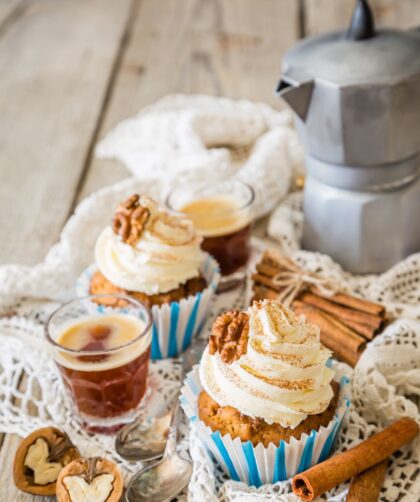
column 259, row 465
column 177, row 323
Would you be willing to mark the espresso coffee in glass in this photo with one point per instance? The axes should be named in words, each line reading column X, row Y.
column 222, row 213
column 103, row 356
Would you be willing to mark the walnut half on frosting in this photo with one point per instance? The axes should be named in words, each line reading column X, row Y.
column 130, row 219
column 230, row 336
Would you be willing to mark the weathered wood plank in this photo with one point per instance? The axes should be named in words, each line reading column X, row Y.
column 10, row 9
column 324, row 15
column 220, row 47
column 55, row 62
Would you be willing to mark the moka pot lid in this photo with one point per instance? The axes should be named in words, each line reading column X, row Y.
column 361, row 55
column 388, row 57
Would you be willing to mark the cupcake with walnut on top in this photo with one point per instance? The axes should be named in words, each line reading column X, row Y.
column 264, row 399
column 148, row 254
column 155, row 258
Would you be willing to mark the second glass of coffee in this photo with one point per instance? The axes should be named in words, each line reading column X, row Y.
column 222, row 213
column 103, row 356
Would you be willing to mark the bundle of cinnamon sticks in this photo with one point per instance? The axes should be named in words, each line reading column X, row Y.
column 347, row 323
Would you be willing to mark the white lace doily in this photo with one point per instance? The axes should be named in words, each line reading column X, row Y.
column 385, row 386
column 264, row 151
column 32, row 394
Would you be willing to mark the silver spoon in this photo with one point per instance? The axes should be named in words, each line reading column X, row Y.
column 165, row 479
column 145, row 438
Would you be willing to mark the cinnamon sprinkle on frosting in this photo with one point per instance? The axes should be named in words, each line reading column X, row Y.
column 148, row 250
column 280, row 377
column 305, row 384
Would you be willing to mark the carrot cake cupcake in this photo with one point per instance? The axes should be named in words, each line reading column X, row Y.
column 155, row 258
column 148, row 254
column 264, row 385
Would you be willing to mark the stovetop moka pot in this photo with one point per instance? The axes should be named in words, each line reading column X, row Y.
column 356, row 96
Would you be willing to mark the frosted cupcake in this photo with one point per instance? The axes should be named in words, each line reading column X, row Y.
column 148, row 254
column 266, row 402
column 155, row 258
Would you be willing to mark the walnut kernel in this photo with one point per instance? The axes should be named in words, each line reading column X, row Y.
column 96, row 478
column 39, row 459
column 130, row 220
column 230, row 336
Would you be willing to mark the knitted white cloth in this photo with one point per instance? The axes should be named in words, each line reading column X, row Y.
column 209, row 137
column 179, row 137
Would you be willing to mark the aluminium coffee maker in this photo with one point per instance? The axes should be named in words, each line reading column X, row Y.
column 356, row 96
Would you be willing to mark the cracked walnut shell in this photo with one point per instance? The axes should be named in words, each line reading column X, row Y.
column 130, row 220
column 39, row 459
column 230, row 336
column 94, row 478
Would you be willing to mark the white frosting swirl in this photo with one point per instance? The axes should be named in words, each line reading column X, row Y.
column 167, row 254
column 283, row 376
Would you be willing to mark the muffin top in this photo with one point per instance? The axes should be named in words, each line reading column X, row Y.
column 148, row 250
column 267, row 363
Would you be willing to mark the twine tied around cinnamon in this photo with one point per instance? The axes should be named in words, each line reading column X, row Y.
column 293, row 280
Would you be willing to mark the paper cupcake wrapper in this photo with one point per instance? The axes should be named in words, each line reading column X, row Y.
column 258, row 465
column 174, row 324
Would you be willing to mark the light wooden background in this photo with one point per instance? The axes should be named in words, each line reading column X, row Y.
column 70, row 70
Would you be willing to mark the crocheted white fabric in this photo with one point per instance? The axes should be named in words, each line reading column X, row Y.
column 40, row 399
column 385, row 386
column 204, row 136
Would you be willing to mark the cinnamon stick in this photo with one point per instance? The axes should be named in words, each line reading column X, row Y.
column 364, row 330
column 345, row 343
column 263, row 289
column 269, row 266
column 266, row 281
column 363, row 317
column 267, row 269
column 366, row 327
column 263, row 293
column 323, row 477
column 366, row 487
column 341, row 312
column 358, row 304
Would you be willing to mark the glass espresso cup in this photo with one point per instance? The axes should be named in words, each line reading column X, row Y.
column 103, row 356
column 222, row 213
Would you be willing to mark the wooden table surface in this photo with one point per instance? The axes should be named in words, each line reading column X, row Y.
column 72, row 69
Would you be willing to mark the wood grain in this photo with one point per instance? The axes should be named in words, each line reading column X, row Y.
column 218, row 47
column 324, row 15
column 55, row 61
column 9, row 11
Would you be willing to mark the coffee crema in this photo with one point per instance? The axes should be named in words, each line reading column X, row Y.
column 216, row 216
column 225, row 226
column 107, row 376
